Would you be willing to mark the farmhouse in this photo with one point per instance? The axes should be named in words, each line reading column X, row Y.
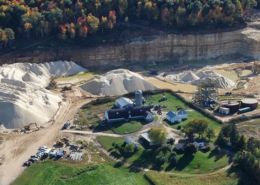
column 174, row 117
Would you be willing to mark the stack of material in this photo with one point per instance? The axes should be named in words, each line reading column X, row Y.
column 23, row 97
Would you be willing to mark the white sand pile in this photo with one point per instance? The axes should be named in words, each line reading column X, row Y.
column 199, row 76
column 117, row 82
column 23, row 97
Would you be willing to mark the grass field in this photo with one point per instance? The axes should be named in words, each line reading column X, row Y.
column 127, row 128
column 93, row 114
column 201, row 162
column 186, row 179
column 60, row 173
column 173, row 102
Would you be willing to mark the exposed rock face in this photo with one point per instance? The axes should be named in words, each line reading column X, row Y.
column 171, row 47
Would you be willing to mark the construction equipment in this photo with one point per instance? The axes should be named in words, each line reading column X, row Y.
column 28, row 127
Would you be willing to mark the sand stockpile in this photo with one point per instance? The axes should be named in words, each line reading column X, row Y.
column 117, row 82
column 23, row 97
column 199, row 76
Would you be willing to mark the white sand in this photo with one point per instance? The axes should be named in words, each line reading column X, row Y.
column 117, row 82
column 198, row 76
column 23, row 97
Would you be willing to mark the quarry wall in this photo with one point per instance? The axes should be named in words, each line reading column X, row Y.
column 160, row 48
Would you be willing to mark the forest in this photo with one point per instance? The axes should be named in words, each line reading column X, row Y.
column 70, row 19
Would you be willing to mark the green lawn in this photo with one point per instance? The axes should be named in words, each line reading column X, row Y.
column 201, row 162
column 173, row 102
column 60, row 173
column 186, row 179
column 107, row 141
column 127, row 127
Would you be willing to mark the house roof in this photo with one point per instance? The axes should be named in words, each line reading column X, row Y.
column 128, row 112
column 123, row 101
column 181, row 112
column 117, row 113
column 171, row 114
column 145, row 136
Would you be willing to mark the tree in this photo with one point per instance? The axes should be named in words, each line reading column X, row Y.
column 196, row 127
column 241, row 145
column 210, row 133
column 190, row 149
column 234, row 136
column 222, row 141
column 158, row 135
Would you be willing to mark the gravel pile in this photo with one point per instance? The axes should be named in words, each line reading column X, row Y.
column 117, row 82
column 23, row 96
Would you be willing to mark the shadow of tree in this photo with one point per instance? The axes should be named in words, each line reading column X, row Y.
column 145, row 160
column 217, row 154
column 184, row 161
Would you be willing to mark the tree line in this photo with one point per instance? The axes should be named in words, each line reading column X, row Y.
column 247, row 151
column 80, row 18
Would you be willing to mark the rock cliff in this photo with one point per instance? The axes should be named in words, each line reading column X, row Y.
column 160, row 48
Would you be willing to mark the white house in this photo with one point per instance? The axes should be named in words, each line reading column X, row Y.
column 174, row 117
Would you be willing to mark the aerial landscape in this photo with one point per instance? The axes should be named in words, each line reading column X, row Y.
column 130, row 92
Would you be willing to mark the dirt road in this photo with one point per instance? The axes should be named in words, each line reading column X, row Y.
column 91, row 133
column 18, row 148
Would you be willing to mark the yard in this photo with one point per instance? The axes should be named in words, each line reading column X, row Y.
column 172, row 103
column 196, row 164
column 127, row 127
column 55, row 172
